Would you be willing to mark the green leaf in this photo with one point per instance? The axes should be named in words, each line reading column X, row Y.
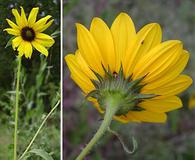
column 9, row 43
column 43, row 154
column 55, row 34
column 26, row 157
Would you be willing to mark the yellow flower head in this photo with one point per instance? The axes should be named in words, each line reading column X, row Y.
column 192, row 101
column 28, row 33
column 145, row 71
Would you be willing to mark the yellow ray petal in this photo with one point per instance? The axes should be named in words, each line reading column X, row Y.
column 147, row 116
column 44, row 39
column 103, row 38
column 171, row 74
column 45, row 42
column 33, row 16
column 12, row 24
column 24, row 21
column 38, row 26
column 84, row 66
column 12, row 31
column 123, row 31
column 146, row 39
column 162, row 105
column 89, row 49
column 158, row 61
column 16, row 42
column 77, row 75
column 21, row 48
column 44, row 36
column 27, row 50
column 17, row 17
column 44, row 27
column 174, row 87
column 40, row 48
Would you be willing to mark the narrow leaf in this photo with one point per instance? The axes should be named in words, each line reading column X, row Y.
column 43, row 154
column 55, row 34
column 9, row 43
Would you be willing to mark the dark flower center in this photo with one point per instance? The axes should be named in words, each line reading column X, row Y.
column 28, row 34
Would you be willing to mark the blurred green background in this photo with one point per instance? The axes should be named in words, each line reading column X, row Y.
column 174, row 140
column 40, row 83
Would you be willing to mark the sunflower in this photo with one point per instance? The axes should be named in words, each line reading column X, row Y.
column 28, row 33
column 142, row 69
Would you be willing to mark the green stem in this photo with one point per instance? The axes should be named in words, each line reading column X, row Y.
column 16, row 108
column 39, row 129
column 111, row 109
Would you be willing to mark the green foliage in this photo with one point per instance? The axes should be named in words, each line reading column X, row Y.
column 39, row 87
column 41, row 153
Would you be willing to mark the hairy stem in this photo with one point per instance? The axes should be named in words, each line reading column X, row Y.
column 111, row 109
column 16, row 108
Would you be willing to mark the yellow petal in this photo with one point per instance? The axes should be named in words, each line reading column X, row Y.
column 38, row 26
column 162, row 105
column 11, row 31
column 174, row 87
column 25, row 48
column 84, row 66
column 44, row 27
column 12, row 24
column 171, row 74
column 103, row 38
column 77, row 75
column 43, row 36
column 28, row 50
column 44, row 39
column 158, row 61
column 89, row 49
column 146, row 39
column 40, row 48
column 16, row 42
column 147, row 116
column 17, row 17
column 24, row 21
column 21, row 48
column 123, row 31
column 45, row 42
column 33, row 16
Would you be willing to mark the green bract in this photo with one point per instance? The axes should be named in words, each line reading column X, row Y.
column 127, row 91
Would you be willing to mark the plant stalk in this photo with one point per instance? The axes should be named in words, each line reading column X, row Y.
column 39, row 129
column 16, row 108
column 111, row 109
